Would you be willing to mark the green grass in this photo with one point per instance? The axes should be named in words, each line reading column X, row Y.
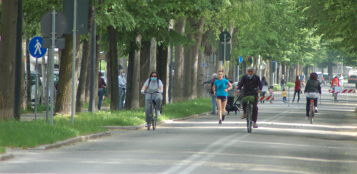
column 32, row 134
column 2, row 150
column 106, row 102
column 31, row 109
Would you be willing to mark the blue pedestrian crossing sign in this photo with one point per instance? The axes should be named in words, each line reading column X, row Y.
column 35, row 47
column 240, row 59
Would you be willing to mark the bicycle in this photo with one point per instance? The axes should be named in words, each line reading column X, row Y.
column 312, row 96
column 249, row 99
column 153, row 114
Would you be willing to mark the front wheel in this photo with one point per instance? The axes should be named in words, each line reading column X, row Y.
column 249, row 118
column 154, row 118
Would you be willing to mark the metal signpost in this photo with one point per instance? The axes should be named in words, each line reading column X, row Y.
column 36, row 50
column 240, row 61
column 74, row 59
column 225, row 37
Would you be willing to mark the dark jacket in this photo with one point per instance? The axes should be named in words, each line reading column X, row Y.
column 282, row 81
column 212, row 82
column 250, row 84
column 313, row 86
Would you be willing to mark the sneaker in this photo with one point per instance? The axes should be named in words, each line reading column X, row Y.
column 316, row 110
column 255, row 125
column 223, row 117
column 220, row 122
column 243, row 116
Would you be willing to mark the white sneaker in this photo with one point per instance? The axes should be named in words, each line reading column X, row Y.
column 243, row 116
column 255, row 125
column 316, row 110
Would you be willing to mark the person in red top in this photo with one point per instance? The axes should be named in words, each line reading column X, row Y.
column 335, row 82
column 297, row 89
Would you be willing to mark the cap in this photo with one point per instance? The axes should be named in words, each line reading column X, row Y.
column 250, row 68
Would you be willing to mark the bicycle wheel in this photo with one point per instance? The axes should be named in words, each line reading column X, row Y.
column 312, row 113
column 150, row 117
column 249, row 117
column 154, row 118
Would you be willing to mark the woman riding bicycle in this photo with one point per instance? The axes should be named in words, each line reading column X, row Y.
column 313, row 85
column 250, row 82
column 220, row 90
column 155, row 86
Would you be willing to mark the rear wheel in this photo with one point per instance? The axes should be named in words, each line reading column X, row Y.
column 312, row 113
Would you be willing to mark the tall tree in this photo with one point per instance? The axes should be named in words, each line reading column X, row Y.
column 114, row 97
column 7, row 57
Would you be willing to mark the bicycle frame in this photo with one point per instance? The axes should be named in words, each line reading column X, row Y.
column 153, row 114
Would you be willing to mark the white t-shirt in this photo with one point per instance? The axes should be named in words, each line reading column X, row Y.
column 152, row 87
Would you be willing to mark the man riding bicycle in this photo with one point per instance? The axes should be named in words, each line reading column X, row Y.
column 250, row 82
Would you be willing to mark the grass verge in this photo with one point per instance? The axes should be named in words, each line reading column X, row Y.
column 31, row 109
column 32, row 134
column 2, row 150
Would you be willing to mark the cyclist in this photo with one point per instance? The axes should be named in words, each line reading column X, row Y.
column 221, row 94
column 250, row 81
column 152, row 85
column 313, row 85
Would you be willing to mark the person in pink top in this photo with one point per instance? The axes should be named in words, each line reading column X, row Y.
column 271, row 93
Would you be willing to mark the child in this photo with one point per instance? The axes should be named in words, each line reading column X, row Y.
column 283, row 93
column 271, row 93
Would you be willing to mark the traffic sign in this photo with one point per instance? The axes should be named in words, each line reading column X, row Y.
column 228, row 36
column 35, row 47
column 240, row 59
column 60, row 27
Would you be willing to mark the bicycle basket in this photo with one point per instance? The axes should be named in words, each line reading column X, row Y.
column 312, row 95
column 248, row 98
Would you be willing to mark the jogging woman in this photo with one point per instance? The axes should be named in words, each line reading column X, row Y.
column 220, row 90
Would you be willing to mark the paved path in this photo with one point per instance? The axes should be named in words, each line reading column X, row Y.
column 284, row 143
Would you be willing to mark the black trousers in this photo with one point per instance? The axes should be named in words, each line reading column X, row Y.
column 298, row 94
column 308, row 105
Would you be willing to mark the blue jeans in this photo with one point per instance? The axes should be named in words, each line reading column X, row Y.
column 282, row 86
column 121, row 98
column 214, row 103
column 100, row 94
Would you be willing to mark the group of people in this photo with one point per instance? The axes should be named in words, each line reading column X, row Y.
column 122, row 88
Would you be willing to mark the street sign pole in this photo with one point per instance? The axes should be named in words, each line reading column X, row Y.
column 52, row 61
column 238, row 73
column 224, row 57
column 36, row 88
column 47, row 85
column 74, row 59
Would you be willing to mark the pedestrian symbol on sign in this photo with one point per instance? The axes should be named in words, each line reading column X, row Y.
column 38, row 47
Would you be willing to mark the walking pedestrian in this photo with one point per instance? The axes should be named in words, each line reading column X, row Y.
column 297, row 89
column 271, row 92
column 341, row 80
column 283, row 94
column 122, row 87
column 264, row 83
column 101, row 86
column 213, row 98
column 282, row 82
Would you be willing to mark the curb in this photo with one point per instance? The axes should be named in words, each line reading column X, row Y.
column 70, row 141
column 6, row 157
column 111, row 128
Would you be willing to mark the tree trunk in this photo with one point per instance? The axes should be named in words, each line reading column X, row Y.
column 7, row 58
column 28, row 73
column 161, row 67
column 87, row 92
column 109, row 79
column 194, row 54
column 330, row 70
column 153, row 46
column 114, row 73
column 208, row 57
column 144, row 68
column 80, row 97
column 136, row 77
column 179, row 59
column 64, row 92
column 267, row 72
column 186, row 84
column 200, row 68
column 279, row 74
column 129, row 91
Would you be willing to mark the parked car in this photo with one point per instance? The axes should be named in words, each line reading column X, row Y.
column 352, row 78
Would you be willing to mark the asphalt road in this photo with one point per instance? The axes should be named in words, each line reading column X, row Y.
column 284, row 143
